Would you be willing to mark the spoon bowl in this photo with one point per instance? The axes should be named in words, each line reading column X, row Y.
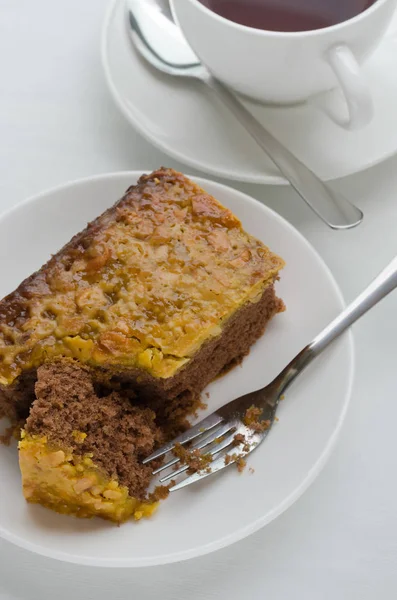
column 160, row 42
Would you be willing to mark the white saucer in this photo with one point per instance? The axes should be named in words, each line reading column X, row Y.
column 184, row 120
column 227, row 507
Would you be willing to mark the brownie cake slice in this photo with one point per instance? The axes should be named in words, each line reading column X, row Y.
column 82, row 455
column 137, row 313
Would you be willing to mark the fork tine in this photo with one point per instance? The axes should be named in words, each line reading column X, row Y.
column 217, row 448
column 216, row 466
column 167, row 465
column 223, row 444
column 219, row 432
column 174, row 474
column 202, row 427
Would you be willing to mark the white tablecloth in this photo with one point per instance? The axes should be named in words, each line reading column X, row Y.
column 339, row 541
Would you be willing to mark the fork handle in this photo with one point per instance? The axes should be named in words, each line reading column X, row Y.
column 333, row 208
column 384, row 283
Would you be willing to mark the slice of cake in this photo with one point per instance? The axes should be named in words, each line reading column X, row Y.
column 81, row 454
column 155, row 298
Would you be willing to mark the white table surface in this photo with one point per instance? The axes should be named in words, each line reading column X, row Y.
column 58, row 122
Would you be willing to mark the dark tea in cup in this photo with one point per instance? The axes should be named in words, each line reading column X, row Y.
column 288, row 15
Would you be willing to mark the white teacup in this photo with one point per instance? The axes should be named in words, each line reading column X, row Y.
column 287, row 68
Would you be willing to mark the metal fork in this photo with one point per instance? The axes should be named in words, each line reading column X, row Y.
column 215, row 435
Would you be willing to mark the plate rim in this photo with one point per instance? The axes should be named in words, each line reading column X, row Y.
column 316, row 469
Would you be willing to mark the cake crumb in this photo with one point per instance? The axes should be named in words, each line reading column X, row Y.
column 241, row 464
column 207, row 394
column 252, row 420
column 238, row 460
column 200, row 405
column 238, row 439
column 161, row 492
column 251, row 470
column 192, row 458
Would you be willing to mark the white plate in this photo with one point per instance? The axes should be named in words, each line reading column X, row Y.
column 184, row 119
column 230, row 506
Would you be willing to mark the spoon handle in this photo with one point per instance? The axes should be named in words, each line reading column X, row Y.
column 335, row 210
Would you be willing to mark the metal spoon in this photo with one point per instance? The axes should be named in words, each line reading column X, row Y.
column 162, row 44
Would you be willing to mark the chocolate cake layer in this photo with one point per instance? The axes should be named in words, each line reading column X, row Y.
column 113, row 432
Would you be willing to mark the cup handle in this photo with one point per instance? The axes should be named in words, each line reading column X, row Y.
column 360, row 108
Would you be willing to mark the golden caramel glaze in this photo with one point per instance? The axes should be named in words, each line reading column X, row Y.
column 57, row 479
column 144, row 285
